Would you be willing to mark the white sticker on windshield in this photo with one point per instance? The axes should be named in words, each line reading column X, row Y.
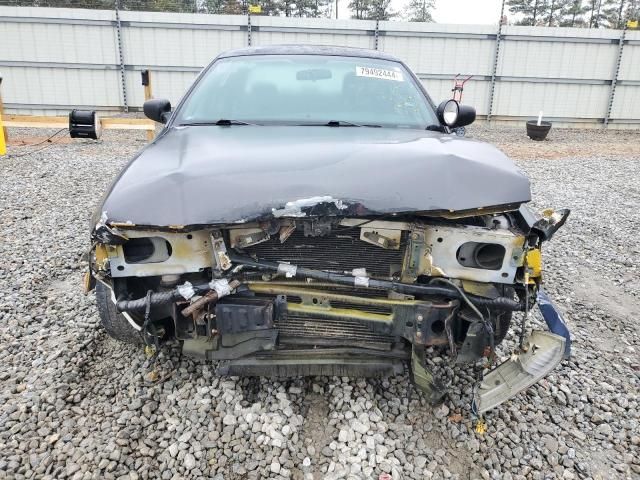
column 379, row 73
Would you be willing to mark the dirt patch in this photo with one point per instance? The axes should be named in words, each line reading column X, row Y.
column 551, row 150
column 597, row 291
column 561, row 143
column 316, row 430
column 34, row 141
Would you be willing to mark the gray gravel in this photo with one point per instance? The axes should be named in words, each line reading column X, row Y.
column 75, row 404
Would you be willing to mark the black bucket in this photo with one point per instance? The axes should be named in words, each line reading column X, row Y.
column 538, row 132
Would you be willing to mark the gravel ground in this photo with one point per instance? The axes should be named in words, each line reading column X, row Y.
column 75, row 404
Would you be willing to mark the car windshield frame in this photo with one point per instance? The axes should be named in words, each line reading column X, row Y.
column 417, row 90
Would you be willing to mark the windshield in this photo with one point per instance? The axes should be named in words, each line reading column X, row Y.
column 308, row 90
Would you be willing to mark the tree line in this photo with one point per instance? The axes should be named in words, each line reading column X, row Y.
column 574, row 13
column 552, row 13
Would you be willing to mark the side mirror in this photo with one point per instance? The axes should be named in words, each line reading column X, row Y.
column 466, row 115
column 157, row 109
column 454, row 115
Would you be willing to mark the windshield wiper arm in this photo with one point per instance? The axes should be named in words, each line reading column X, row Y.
column 338, row 123
column 344, row 123
column 341, row 123
column 222, row 122
column 435, row 128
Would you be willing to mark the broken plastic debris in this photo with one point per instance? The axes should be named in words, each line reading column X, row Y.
column 543, row 353
column 288, row 270
column 221, row 287
column 186, row 290
column 149, row 351
column 481, row 427
column 294, row 209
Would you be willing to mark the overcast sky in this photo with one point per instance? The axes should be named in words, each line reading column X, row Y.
column 467, row 11
column 450, row 11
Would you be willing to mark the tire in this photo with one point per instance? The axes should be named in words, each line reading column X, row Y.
column 116, row 325
column 502, row 323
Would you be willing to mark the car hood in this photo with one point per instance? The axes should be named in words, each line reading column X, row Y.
column 202, row 175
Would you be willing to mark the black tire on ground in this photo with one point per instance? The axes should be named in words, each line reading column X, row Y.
column 113, row 322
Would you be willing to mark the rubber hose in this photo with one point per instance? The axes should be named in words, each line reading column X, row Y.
column 157, row 299
column 500, row 303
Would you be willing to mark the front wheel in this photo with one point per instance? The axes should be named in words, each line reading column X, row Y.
column 116, row 325
column 502, row 323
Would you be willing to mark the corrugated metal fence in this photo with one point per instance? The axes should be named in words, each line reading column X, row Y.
column 54, row 60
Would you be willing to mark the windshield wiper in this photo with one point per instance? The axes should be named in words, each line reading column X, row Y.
column 344, row 123
column 341, row 123
column 435, row 128
column 338, row 123
column 222, row 122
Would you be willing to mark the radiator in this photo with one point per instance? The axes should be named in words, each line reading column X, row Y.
column 339, row 251
column 300, row 330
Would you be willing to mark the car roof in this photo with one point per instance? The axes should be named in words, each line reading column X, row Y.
column 308, row 50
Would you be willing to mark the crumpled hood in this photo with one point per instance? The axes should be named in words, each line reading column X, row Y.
column 211, row 175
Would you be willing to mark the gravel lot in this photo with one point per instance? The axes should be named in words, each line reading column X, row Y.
column 75, row 404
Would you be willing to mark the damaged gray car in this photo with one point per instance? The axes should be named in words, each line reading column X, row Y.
column 309, row 211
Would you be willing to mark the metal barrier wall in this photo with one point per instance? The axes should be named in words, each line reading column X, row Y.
column 55, row 59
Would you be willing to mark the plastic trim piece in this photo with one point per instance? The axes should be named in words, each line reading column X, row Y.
column 543, row 352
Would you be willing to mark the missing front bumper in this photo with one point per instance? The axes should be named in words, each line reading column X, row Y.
column 312, row 362
column 543, row 352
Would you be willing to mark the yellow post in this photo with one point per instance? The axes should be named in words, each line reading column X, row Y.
column 3, row 143
column 146, row 82
column 3, row 130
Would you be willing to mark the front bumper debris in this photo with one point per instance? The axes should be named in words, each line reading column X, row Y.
column 343, row 296
column 543, row 351
column 554, row 320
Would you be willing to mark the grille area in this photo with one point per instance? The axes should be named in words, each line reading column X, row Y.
column 297, row 329
column 339, row 251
